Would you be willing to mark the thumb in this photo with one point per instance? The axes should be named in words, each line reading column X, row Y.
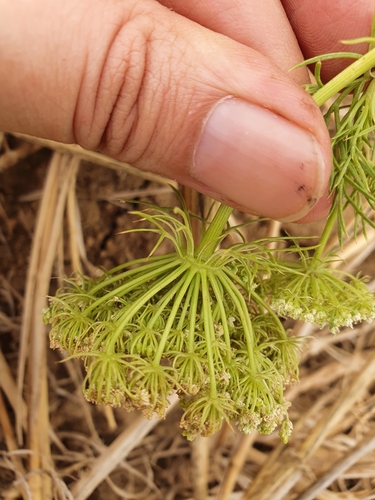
column 149, row 87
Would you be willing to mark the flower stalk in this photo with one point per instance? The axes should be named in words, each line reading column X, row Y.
column 363, row 65
column 211, row 238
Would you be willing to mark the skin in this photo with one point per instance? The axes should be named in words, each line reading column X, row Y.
column 137, row 79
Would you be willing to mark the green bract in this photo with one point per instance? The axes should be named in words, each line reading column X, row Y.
column 203, row 321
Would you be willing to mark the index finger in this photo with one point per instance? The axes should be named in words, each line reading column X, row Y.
column 320, row 26
column 263, row 26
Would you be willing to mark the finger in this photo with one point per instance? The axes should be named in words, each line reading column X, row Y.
column 320, row 26
column 263, row 26
column 320, row 210
column 166, row 95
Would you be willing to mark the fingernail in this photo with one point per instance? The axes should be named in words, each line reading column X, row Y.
column 258, row 160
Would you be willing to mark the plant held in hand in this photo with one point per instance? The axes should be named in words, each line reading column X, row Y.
column 203, row 321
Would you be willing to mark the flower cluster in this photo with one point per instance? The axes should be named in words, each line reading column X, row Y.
column 202, row 323
column 313, row 292
column 176, row 323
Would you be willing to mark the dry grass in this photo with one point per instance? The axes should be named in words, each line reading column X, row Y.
column 54, row 445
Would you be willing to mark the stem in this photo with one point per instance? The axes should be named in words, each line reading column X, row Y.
column 161, row 305
column 134, row 308
column 209, row 240
column 326, row 234
column 240, row 305
column 219, row 293
column 143, row 265
column 371, row 46
column 128, row 286
column 193, row 312
column 186, row 280
column 185, row 308
column 208, row 327
column 347, row 76
column 138, row 262
column 263, row 303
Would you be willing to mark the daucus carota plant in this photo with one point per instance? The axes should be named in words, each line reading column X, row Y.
column 204, row 321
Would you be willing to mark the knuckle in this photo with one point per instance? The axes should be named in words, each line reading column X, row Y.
column 123, row 103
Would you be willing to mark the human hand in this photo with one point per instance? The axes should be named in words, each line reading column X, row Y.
column 205, row 97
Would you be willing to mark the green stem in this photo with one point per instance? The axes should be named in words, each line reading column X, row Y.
column 371, row 46
column 210, row 238
column 193, row 312
column 134, row 308
column 208, row 330
column 327, row 231
column 281, row 330
column 185, row 308
column 219, row 294
column 185, row 283
column 347, row 76
column 240, row 305
column 143, row 265
column 162, row 304
column 132, row 284
column 154, row 259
